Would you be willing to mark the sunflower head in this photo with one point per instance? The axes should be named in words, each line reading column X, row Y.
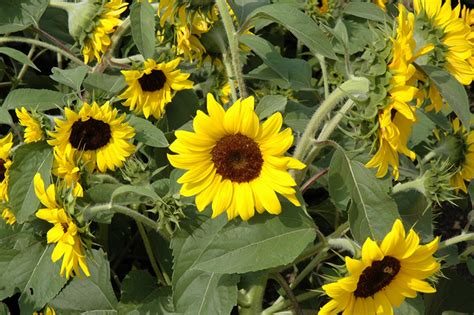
column 385, row 275
column 96, row 135
column 6, row 144
column 32, row 124
column 234, row 161
column 8, row 216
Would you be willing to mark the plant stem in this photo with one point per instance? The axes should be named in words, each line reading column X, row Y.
column 232, row 37
column 310, row 267
column 324, row 70
column 151, row 256
column 313, row 179
column 255, row 295
column 429, row 156
column 289, row 293
column 25, row 67
column 416, row 184
column 457, row 239
column 230, row 76
column 38, row 43
column 284, row 304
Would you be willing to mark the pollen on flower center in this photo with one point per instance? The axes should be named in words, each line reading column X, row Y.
column 376, row 277
column 238, row 158
column 153, row 81
column 2, row 170
column 91, row 134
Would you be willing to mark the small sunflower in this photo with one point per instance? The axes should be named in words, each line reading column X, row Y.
column 8, row 216
column 6, row 144
column 33, row 130
column 385, row 275
column 97, row 41
column 64, row 232
column 234, row 161
column 224, row 93
column 465, row 161
column 48, row 310
column 66, row 167
column 150, row 89
column 96, row 135
column 382, row 4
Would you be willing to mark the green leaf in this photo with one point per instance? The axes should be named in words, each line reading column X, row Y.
column 142, row 19
column 44, row 283
column 366, row 10
column 411, row 307
column 298, row 23
column 28, row 160
column 371, row 212
column 182, row 109
column 18, row 56
column 148, row 133
column 5, row 117
column 453, row 91
column 194, row 291
column 16, row 15
column 33, row 99
column 101, row 82
column 242, row 247
column 88, row 293
column 70, row 77
column 137, row 190
column 270, row 104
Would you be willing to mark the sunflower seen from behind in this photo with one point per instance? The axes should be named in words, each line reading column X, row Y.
column 384, row 276
column 150, row 89
column 235, row 162
column 33, row 130
column 97, row 135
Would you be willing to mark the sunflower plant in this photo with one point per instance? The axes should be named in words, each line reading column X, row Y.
column 236, row 157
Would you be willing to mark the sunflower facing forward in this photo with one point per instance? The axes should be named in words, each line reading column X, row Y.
column 96, row 134
column 150, row 89
column 234, row 161
column 384, row 276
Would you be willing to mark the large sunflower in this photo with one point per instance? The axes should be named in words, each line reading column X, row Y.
column 98, row 40
column 6, row 144
column 385, row 275
column 150, row 89
column 397, row 117
column 64, row 232
column 234, row 161
column 96, row 134
column 33, row 130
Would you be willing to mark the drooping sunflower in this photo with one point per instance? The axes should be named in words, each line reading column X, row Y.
column 8, row 216
column 96, row 134
column 385, row 275
column 48, row 310
column 398, row 116
column 234, row 161
column 450, row 34
column 150, row 89
column 6, row 144
column 382, row 4
column 66, row 167
column 97, row 41
column 64, row 232
column 33, row 130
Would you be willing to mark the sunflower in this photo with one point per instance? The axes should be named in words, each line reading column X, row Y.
column 382, row 4
column 384, row 276
column 150, row 89
column 397, row 117
column 48, row 310
column 224, row 93
column 96, row 135
column 6, row 144
column 64, row 232
column 98, row 40
column 33, row 130
column 234, row 161
column 66, row 167
column 8, row 216
column 452, row 40
column 465, row 160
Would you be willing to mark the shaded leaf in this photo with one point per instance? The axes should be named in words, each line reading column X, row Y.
column 271, row 104
column 16, row 15
column 148, row 133
column 101, row 82
column 5, row 117
column 18, row 56
column 366, row 10
column 70, row 77
column 142, row 21
column 33, row 99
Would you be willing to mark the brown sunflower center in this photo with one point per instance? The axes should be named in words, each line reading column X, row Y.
column 238, row 158
column 91, row 134
column 2, row 170
column 153, row 81
column 376, row 277
column 65, row 226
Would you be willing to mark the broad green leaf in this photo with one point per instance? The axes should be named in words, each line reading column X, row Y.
column 142, row 19
column 371, row 212
column 28, row 160
column 270, row 104
column 44, row 283
column 33, row 99
column 88, row 293
column 148, row 133
column 5, row 117
column 298, row 23
column 182, row 109
column 422, row 129
column 198, row 292
column 137, row 285
column 70, row 77
column 242, row 8
column 18, row 56
column 453, row 91
column 366, row 10
column 16, row 15
column 411, row 307
column 266, row 241
column 101, row 82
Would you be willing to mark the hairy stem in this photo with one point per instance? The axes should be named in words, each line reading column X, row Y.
column 324, row 70
column 285, row 304
column 230, row 76
column 456, row 239
column 255, row 295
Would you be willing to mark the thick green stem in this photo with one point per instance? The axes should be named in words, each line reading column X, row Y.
column 232, row 37
column 38, row 43
column 309, row 267
column 289, row 293
column 25, row 67
column 457, row 239
column 230, row 76
column 285, row 304
column 324, row 70
column 255, row 295
column 416, row 184
column 353, row 87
